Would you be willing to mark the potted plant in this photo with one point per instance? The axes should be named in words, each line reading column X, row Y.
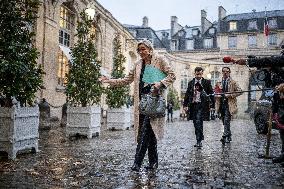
column 20, row 77
column 118, row 115
column 83, row 88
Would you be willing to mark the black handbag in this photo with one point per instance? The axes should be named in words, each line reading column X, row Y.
column 152, row 106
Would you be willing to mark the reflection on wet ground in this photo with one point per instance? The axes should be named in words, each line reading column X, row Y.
column 105, row 161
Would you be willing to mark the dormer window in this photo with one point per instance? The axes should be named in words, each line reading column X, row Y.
column 211, row 30
column 272, row 23
column 180, row 34
column 252, row 25
column 233, row 26
column 208, row 43
column 195, row 32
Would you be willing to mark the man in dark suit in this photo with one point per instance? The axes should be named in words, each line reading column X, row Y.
column 199, row 102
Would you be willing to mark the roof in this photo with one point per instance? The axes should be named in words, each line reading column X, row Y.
column 254, row 15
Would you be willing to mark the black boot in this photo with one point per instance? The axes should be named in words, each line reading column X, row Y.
column 135, row 167
column 230, row 138
column 198, row 144
column 152, row 166
column 279, row 159
column 223, row 140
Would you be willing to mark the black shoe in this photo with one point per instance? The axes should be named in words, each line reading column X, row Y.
column 198, row 145
column 223, row 140
column 135, row 167
column 229, row 138
column 152, row 166
column 279, row 159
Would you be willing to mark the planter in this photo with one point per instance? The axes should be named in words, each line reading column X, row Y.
column 118, row 118
column 83, row 121
column 18, row 129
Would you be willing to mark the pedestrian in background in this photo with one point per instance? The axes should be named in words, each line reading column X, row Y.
column 170, row 111
column 199, row 99
column 226, row 104
column 217, row 90
column 148, row 130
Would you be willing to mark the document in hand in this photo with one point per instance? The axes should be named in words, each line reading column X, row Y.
column 152, row 74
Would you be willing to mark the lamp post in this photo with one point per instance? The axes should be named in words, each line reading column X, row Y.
column 91, row 12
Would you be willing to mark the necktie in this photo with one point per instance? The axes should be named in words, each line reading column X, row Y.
column 225, row 85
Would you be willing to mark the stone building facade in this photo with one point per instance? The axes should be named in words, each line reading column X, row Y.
column 55, row 37
column 235, row 35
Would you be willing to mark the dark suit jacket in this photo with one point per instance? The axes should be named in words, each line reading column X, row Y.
column 206, row 101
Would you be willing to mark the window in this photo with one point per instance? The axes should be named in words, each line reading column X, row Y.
column 208, row 43
column 183, row 84
column 181, row 33
column 211, row 31
column 66, row 18
column 272, row 39
column 184, row 80
column 232, row 41
column 272, row 23
column 174, row 45
column 214, row 77
column 189, row 44
column 195, row 32
column 66, row 26
column 64, row 38
column 66, row 23
column 63, row 68
column 233, row 26
column 252, row 41
column 165, row 34
column 252, row 25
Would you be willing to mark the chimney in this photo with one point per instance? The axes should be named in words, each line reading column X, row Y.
column 221, row 13
column 145, row 21
column 174, row 22
column 203, row 18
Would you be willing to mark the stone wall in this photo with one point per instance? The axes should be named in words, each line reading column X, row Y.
column 47, row 42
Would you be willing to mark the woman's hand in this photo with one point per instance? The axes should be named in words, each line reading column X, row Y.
column 104, row 79
column 157, row 85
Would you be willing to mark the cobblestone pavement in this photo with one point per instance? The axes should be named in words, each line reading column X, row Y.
column 105, row 161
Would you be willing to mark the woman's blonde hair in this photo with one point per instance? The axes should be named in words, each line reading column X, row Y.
column 147, row 43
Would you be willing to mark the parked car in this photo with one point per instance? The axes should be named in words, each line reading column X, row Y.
column 261, row 115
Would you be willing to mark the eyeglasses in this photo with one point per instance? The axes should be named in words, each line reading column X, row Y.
column 226, row 71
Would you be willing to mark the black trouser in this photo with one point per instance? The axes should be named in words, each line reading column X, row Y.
column 198, row 121
column 170, row 114
column 146, row 141
column 226, row 118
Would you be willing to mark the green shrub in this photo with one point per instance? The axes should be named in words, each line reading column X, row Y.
column 20, row 75
column 83, row 87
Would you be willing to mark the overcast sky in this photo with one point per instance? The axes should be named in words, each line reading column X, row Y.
column 187, row 11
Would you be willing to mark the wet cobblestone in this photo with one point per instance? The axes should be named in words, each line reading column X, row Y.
column 105, row 161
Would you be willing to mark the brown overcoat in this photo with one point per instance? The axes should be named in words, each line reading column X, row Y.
column 232, row 99
column 134, row 75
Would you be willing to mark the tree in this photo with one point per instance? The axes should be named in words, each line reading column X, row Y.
column 83, row 86
column 116, row 96
column 173, row 97
column 20, row 75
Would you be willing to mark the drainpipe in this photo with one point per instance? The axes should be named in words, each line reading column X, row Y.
column 43, row 42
